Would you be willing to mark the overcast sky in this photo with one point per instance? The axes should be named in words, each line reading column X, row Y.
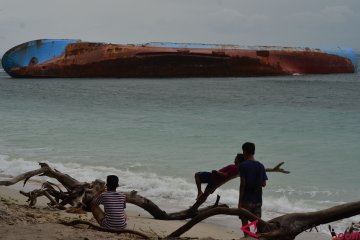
column 313, row 23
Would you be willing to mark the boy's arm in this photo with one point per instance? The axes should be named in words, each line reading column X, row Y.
column 227, row 172
column 264, row 177
column 96, row 199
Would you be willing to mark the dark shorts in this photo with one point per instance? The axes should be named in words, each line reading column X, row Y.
column 253, row 208
column 206, row 177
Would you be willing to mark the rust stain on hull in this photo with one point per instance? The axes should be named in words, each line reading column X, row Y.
column 85, row 59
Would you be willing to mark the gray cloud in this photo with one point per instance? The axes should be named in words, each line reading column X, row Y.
column 320, row 23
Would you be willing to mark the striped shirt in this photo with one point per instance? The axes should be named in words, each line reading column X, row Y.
column 114, row 205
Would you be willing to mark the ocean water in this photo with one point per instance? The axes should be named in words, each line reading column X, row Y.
column 156, row 133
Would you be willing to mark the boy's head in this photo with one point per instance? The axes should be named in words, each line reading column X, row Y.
column 239, row 159
column 112, row 182
column 248, row 149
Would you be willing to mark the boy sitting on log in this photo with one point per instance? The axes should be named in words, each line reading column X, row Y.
column 114, row 205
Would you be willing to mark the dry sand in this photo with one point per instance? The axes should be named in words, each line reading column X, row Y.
column 18, row 221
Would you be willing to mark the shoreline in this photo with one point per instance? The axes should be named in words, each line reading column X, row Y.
column 39, row 222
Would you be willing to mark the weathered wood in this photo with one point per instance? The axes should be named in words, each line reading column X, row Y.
column 285, row 227
column 218, row 211
column 277, row 168
column 290, row 225
column 78, row 194
column 76, row 222
column 155, row 211
column 33, row 195
column 21, row 177
column 67, row 181
column 146, row 204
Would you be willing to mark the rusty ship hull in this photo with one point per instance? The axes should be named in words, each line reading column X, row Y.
column 68, row 58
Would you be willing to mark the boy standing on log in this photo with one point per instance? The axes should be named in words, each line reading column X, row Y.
column 114, row 205
column 252, row 180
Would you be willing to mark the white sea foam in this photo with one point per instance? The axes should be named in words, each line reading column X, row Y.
column 172, row 190
column 168, row 189
column 284, row 205
column 313, row 192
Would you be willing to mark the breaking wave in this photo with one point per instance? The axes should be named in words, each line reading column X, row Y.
column 170, row 189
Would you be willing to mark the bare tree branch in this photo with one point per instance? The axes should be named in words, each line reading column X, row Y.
column 76, row 222
column 292, row 224
column 21, row 177
column 218, row 211
column 148, row 205
column 277, row 169
column 45, row 170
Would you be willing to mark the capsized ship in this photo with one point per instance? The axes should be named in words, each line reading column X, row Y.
column 71, row 58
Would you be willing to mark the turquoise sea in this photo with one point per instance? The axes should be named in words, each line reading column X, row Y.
column 156, row 133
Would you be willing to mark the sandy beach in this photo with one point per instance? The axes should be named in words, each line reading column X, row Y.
column 18, row 221
column 42, row 223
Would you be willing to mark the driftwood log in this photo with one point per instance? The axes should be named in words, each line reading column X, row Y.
column 79, row 194
column 285, row 227
column 76, row 222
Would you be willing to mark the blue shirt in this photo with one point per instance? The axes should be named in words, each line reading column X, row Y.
column 254, row 174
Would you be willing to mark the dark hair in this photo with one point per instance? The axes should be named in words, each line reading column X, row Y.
column 240, row 157
column 249, row 148
column 112, row 182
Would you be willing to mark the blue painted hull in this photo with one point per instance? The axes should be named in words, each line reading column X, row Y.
column 39, row 51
